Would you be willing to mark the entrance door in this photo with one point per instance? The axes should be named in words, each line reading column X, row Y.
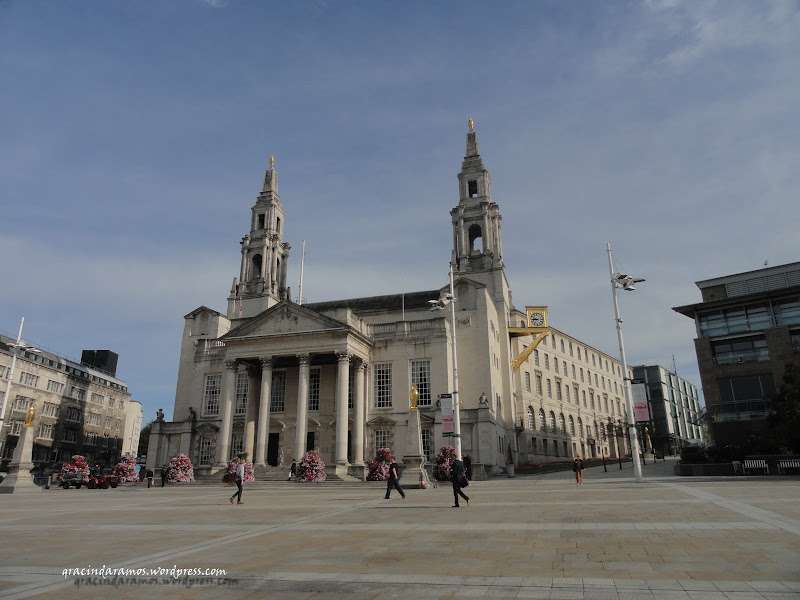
column 350, row 447
column 272, row 449
column 309, row 442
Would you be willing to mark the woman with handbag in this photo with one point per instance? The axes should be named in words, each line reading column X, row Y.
column 459, row 480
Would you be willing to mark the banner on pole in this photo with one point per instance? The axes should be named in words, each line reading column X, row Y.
column 446, row 402
column 641, row 411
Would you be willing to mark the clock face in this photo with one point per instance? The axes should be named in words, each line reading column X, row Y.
column 537, row 320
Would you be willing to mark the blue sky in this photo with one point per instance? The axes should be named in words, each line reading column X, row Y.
column 134, row 137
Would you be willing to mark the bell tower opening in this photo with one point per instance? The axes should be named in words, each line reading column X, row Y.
column 473, row 189
column 256, row 272
column 475, row 239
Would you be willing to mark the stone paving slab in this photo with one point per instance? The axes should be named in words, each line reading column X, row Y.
column 730, row 538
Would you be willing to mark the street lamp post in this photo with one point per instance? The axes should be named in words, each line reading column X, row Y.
column 439, row 305
column 625, row 282
column 16, row 345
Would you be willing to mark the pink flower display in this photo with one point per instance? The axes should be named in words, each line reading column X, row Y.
column 249, row 471
column 311, row 467
column 77, row 464
column 379, row 466
column 126, row 469
column 180, row 470
column 443, row 463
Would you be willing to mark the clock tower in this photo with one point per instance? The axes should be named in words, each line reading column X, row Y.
column 265, row 256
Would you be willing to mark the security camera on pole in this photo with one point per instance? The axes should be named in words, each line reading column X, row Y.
column 628, row 283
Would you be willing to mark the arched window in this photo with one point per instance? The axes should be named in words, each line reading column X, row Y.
column 562, row 423
column 255, row 267
column 531, row 420
column 580, row 426
column 475, row 239
column 596, row 430
column 552, row 421
column 542, row 422
column 571, row 425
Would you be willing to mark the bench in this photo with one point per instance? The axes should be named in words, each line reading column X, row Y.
column 789, row 463
column 750, row 464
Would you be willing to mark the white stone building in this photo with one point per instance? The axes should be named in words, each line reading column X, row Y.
column 79, row 408
column 275, row 379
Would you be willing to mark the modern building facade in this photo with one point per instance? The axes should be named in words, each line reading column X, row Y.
column 274, row 378
column 748, row 331
column 79, row 408
column 674, row 410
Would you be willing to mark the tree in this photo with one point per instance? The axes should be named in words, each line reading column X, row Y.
column 784, row 417
column 144, row 438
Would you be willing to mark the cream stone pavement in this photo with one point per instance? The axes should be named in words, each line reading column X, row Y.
column 529, row 537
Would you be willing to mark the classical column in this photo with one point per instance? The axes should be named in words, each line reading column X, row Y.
column 302, row 407
column 263, row 411
column 228, row 388
column 250, row 417
column 359, row 409
column 342, row 380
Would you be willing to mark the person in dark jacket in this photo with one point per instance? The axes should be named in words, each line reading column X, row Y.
column 394, row 480
column 459, row 479
column 577, row 468
column 163, row 475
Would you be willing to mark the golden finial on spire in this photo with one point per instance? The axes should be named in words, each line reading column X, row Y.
column 471, row 124
column 271, row 162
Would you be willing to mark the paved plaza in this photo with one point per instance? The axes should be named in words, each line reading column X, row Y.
column 529, row 537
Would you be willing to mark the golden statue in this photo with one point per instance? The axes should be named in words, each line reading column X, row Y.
column 29, row 417
column 271, row 162
column 413, row 396
column 471, row 124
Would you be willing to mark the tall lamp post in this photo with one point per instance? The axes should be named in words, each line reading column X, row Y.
column 19, row 344
column 628, row 283
column 439, row 305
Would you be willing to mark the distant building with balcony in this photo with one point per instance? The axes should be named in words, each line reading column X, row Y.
column 674, row 406
column 80, row 407
column 748, row 331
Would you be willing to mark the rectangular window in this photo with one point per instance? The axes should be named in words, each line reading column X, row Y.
column 536, row 357
column 277, row 395
column 90, row 439
column 382, row 385
column 566, row 392
column 3, row 371
column 242, row 387
column 78, row 393
column 50, row 409
column 108, row 422
column 73, row 414
column 94, row 419
column 549, row 389
column 740, row 351
column 427, row 443
column 582, row 376
column 211, row 394
column 117, row 424
column 21, row 403
column 787, row 312
column 421, row 375
column 110, row 403
column 45, row 431
column 555, row 364
column 205, row 455
column 55, row 387
column 381, row 439
column 16, row 427
column 749, row 393
column 97, row 399
column 539, row 384
column 71, row 435
column 237, row 444
column 351, row 383
column 527, row 381
column 546, row 361
column 583, row 393
column 313, row 388
column 28, row 379
column 558, row 391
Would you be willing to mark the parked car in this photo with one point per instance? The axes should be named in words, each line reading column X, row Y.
column 75, row 480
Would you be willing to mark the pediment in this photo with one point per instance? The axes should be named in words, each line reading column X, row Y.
column 381, row 420
column 285, row 318
column 206, row 429
column 426, row 419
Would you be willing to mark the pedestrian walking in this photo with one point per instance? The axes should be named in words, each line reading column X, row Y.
column 577, row 467
column 239, row 480
column 459, row 478
column 149, row 475
column 163, row 475
column 293, row 470
column 394, row 480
